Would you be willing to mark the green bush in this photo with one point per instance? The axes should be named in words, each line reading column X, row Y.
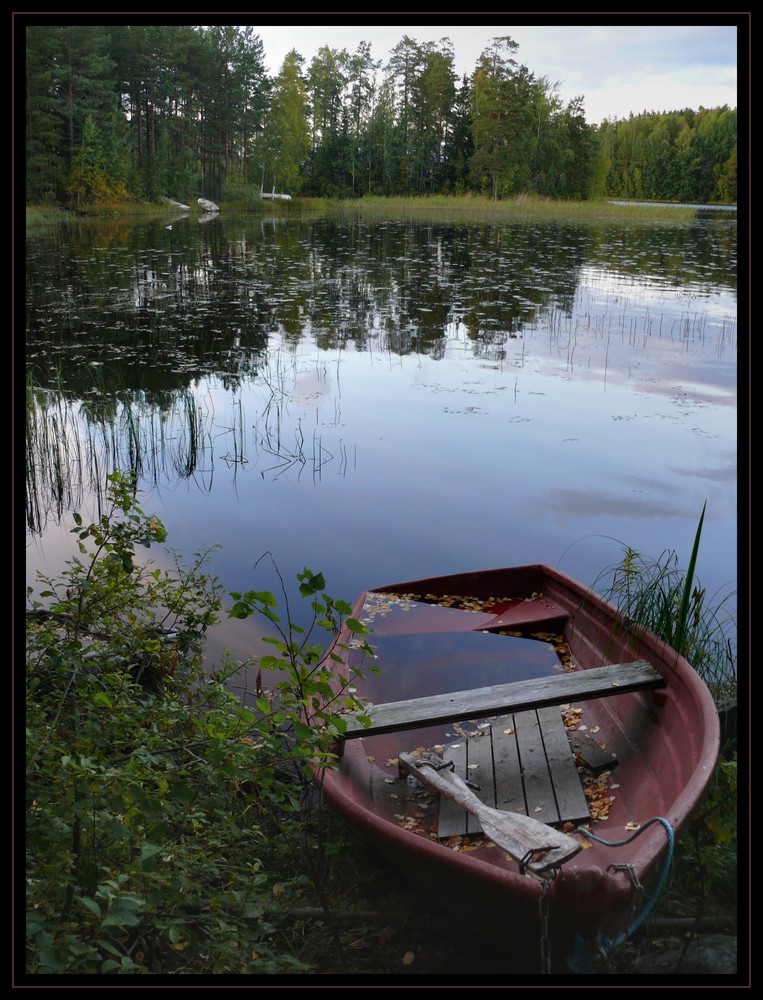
column 166, row 822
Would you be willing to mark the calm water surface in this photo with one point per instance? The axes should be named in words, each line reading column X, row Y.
column 386, row 401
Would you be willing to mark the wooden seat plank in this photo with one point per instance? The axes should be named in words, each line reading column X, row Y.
column 520, row 696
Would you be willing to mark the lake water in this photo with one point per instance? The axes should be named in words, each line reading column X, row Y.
column 382, row 401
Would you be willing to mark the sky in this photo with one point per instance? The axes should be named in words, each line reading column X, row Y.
column 618, row 69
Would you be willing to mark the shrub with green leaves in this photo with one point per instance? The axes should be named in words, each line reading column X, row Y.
column 316, row 689
column 163, row 819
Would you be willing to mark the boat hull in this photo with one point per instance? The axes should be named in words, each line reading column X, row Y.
column 665, row 743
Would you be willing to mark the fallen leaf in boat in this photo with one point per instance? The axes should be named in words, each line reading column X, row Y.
column 472, row 767
column 585, row 844
column 470, row 847
column 409, row 958
column 632, row 825
column 508, row 732
column 538, row 809
column 372, row 758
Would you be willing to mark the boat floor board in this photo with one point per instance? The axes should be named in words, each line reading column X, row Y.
column 522, row 763
column 539, row 692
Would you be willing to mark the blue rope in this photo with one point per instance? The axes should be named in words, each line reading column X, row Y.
column 660, row 885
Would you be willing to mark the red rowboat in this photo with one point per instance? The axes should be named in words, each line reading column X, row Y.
column 530, row 760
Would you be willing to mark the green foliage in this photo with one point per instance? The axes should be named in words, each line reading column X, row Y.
column 673, row 605
column 285, row 141
column 168, row 829
column 315, row 691
column 198, row 114
column 88, row 179
column 673, row 156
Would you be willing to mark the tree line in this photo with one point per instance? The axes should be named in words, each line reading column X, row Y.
column 150, row 111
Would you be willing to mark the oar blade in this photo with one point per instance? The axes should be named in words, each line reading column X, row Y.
column 535, row 846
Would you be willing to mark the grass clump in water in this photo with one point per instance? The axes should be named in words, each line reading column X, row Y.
column 658, row 595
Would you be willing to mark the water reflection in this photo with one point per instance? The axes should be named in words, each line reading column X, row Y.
column 148, row 297
column 390, row 400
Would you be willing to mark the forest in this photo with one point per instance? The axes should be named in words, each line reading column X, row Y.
column 141, row 112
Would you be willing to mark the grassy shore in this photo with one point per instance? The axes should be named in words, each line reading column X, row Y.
column 463, row 208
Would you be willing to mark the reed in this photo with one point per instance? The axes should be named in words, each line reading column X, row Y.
column 671, row 603
column 478, row 208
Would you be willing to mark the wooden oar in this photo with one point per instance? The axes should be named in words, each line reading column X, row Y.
column 534, row 845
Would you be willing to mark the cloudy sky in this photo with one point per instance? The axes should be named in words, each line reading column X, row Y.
column 617, row 69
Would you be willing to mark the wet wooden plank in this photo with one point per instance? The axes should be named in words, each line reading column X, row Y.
column 539, row 791
column 571, row 803
column 591, row 753
column 479, row 770
column 520, row 696
column 453, row 820
column 510, row 793
column 525, row 764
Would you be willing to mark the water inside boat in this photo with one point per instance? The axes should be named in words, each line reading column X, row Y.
column 423, row 648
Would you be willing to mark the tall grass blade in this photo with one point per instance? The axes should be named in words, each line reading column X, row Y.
column 683, row 614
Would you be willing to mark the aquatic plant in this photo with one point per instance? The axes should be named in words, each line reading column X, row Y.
column 671, row 603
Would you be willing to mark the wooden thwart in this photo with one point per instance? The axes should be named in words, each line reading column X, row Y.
column 520, row 696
